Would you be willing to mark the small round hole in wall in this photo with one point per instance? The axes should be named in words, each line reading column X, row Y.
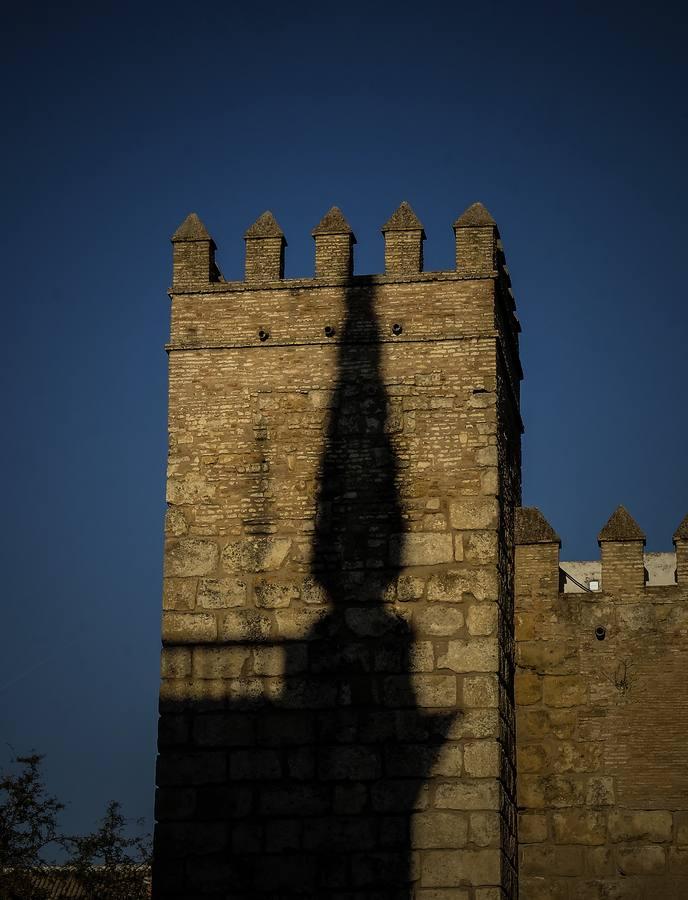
column 397, row 328
column 263, row 335
column 329, row 331
column 600, row 632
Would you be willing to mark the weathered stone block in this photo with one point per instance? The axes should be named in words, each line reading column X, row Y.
column 410, row 588
column 191, row 556
column 481, row 691
column 222, row 593
column 188, row 628
column 258, row 554
column 579, row 826
column 564, row 690
column 532, row 828
column 649, row 826
column 175, row 662
column 528, row 688
column 474, row 513
column 475, row 655
column 466, row 794
column 447, row 868
column 641, row 860
column 274, row 595
column 482, row 619
column 179, row 594
column 421, row 549
column 484, row 829
column 435, row 829
column 482, row 759
column 244, row 625
column 443, row 622
column 219, row 662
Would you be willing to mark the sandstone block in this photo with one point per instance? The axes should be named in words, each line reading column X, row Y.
column 191, row 556
column 219, row 662
column 421, row 549
column 179, row 594
column 468, row 795
column 600, row 791
column 280, row 660
column 474, row 513
column 294, row 624
column 548, row 860
column 190, row 488
column 564, row 690
column 255, row 554
column 649, row 826
column 273, row 595
column 554, row 657
column 222, row 593
column 437, row 829
column 480, row 546
column 579, row 826
column 475, row 655
column 481, row 691
column 175, row 522
column 350, row 764
column 474, row 723
column 439, row 622
column 370, row 621
column 243, row 625
column 484, row 829
column 532, row 828
column 482, row 759
column 175, row 662
column 222, row 730
column 528, row 688
column 447, row 587
column 434, row 690
column 188, row 628
column 409, row 588
column 449, row 868
column 256, row 764
column 312, row 592
column 650, row 860
column 482, row 619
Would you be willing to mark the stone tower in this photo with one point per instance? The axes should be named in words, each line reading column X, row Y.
column 337, row 716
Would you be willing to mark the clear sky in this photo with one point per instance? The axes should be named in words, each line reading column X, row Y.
column 568, row 121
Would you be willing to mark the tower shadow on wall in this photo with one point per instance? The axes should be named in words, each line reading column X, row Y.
column 361, row 757
column 324, row 779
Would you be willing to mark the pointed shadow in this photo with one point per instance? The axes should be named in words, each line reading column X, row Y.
column 331, row 771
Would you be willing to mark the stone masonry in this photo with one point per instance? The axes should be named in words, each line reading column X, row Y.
column 364, row 631
column 602, row 719
column 337, row 715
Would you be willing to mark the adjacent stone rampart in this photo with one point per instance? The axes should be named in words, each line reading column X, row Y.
column 602, row 718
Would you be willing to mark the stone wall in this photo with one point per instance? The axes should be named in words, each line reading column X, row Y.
column 602, row 718
column 337, row 694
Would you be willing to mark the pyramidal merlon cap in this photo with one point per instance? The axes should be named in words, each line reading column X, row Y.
column 265, row 226
column 533, row 528
column 191, row 229
column 333, row 222
column 621, row 526
column 476, row 216
column 403, row 219
column 681, row 533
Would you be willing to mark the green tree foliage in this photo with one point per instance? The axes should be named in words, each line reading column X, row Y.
column 28, row 826
column 108, row 864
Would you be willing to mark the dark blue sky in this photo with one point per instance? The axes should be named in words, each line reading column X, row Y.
column 568, row 121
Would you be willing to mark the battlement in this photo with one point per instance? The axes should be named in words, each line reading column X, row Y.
column 479, row 251
column 624, row 568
